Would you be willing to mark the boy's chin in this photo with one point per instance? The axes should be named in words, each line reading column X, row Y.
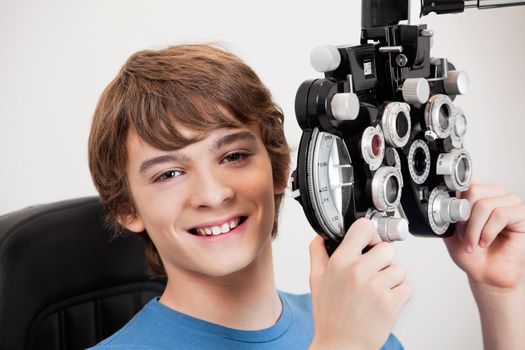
column 233, row 266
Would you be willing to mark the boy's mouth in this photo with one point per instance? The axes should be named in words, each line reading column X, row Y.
column 218, row 229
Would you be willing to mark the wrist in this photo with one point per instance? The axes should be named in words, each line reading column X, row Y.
column 502, row 314
column 482, row 290
column 498, row 302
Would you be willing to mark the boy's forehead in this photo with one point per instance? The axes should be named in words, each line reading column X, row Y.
column 213, row 140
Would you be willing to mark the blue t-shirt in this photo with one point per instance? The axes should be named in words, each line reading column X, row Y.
column 157, row 326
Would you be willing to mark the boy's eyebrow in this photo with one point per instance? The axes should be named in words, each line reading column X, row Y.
column 165, row 158
column 231, row 138
column 217, row 144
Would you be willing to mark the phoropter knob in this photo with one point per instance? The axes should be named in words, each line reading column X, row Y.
column 457, row 83
column 325, row 58
column 416, row 90
column 345, row 106
column 392, row 229
column 454, row 210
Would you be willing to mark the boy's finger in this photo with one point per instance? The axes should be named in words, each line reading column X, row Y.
column 360, row 235
column 512, row 218
column 380, row 256
column 481, row 212
column 318, row 258
column 477, row 192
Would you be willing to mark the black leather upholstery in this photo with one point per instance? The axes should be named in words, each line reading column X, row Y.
column 64, row 282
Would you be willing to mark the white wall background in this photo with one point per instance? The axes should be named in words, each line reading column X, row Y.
column 57, row 56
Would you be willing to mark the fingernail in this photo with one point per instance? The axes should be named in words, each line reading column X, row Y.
column 482, row 244
column 469, row 248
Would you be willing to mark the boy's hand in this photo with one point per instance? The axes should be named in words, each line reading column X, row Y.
column 490, row 246
column 356, row 296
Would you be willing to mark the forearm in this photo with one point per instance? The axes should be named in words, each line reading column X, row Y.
column 502, row 313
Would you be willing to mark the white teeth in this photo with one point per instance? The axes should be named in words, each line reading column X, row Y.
column 217, row 230
column 233, row 224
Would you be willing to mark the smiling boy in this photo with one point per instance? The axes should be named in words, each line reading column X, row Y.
column 187, row 149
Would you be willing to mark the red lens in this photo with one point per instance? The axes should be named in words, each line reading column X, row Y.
column 376, row 145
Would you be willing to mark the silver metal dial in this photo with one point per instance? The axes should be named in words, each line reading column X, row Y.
column 438, row 115
column 444, row 210
column 437, row 195
column 396, row 123
column 373, row 146
column 419, row 161
column 331, row 181
column 459, row 128
column 456, row 168
column 386, row 188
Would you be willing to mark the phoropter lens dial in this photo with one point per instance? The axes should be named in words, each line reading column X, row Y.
column 456, row 168
column 419, row 161
column 330, row 182
column 386, row 188
column 438, row 116
column 396, row 123
column 459, row 128
column 373, row 146
column 444, row 210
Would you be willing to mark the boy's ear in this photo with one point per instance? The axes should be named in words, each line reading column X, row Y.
column 131, row 222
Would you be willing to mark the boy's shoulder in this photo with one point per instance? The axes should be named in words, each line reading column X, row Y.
column 135, row 334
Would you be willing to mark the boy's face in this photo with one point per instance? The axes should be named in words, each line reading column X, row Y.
column 222, row 183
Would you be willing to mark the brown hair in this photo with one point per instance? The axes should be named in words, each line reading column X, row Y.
column 199, row 87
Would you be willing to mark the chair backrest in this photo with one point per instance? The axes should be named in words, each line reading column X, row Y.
column 65, row 282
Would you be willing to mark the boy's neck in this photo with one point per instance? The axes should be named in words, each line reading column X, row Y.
column 246, row 299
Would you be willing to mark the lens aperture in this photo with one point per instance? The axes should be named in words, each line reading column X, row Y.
column 391, row 189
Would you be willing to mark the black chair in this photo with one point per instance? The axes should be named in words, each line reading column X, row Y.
column 65, row 283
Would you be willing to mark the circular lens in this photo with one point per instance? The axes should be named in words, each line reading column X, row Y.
column 391, row 189
column 420, row 163
column 386, row 188
column 376, row 145
column 462, row 170
column 444, row 115
column 401, row 124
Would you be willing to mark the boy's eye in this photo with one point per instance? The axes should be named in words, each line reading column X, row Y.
column 235, row 157
column 168, row 175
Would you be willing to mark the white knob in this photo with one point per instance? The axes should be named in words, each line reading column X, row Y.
column 416, row 90
column 457, row 83
column 454, row 210
column 325, row 58
column 345, row 106
column 392, row 229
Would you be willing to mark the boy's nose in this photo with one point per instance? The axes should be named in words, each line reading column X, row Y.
column 211, row 191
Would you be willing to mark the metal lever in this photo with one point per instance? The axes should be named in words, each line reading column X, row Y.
column 486, row 4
